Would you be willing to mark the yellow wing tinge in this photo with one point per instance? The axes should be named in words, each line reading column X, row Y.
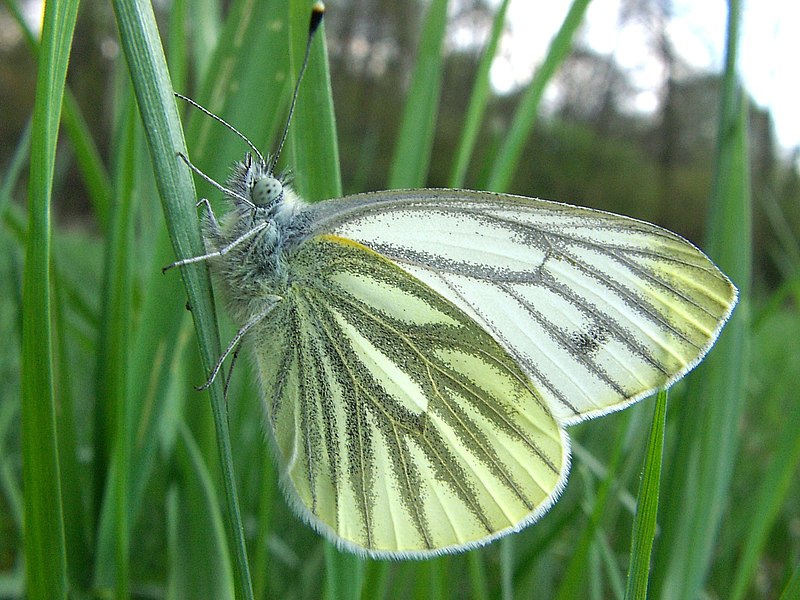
column 401, row 426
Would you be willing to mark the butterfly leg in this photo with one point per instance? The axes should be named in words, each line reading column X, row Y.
column 211, row 219
column 222, row 251
column 230, row 371
column 273, row 301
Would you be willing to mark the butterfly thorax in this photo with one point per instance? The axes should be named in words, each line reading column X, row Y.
column 263, row 228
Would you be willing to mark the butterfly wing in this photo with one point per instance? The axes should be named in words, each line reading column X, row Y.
column 598, row 309
column 401, row 426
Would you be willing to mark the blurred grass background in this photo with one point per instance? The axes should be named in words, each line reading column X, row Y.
column 112, row 481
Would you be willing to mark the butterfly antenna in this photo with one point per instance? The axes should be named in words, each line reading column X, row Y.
column 317, row 13
column 223, row 121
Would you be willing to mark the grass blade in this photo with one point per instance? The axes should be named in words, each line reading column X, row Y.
column 776, row 351
column 478, row 101
column 315, row 155
column 114, row 349
column 314, row 147
column 510, row 151
column 148, row 69
column 770, row 497
column 792, row 589
column 87, row 154
column 412, row 152
column 644, row 525
column 709, row 428
column 249, row 94
column 573, row 584
column 200, row 520
column 45, row 551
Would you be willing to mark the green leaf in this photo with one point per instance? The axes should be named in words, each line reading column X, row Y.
column 478, row 101
column 412, row 153
column 792, row 589
column 505, row 163
column 644, row 525
column 45, row 551
column 314, row 148
column 77, row 129
column 709, row 428
column 151, row 82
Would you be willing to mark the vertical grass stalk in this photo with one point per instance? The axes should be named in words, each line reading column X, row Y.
column 45, row 549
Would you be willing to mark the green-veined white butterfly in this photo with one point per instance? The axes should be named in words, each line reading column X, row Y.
column 421, row 351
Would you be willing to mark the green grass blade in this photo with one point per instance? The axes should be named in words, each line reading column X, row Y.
column 608, row 566
column 12, row 581
column 158, row 399
column 10, row 266
column 72, row 480
column 574, row 581
column 87, row 155
column 412, row 153
column 479, row 586
column 13, row 171
column 249, row 94
column 478, row 101
column 315, row 156
column 314, row 148
column 202, row 524
column 702, row 469
column 12, row 492
column 644, row 525
column 74, row 491
column 776, row 347
column 159, row 333
column 114, row 349
column 268, row 494
column 175, row 584
column 792, row 589
column 147, row 65
column 177, row 50
column 771, row 495
column 45, row 551
column 206, row 25
column 510, row 151
column 507, row 568
column 344, row 574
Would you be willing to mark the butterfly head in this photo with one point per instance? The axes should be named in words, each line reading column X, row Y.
column 255, row 187
column 260, row 194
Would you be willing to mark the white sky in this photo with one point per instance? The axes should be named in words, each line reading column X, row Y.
column 768, row 53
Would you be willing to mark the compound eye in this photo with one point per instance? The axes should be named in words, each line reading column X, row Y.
column 266, row 190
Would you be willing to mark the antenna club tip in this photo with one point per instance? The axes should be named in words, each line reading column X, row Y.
column 317, row 12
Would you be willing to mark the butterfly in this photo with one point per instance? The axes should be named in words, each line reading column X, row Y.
column 422, row 351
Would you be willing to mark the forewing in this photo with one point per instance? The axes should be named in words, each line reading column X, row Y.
column 402, row 428
column 598, row 309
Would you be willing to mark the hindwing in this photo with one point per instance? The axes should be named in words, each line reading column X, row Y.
column 401, row 426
